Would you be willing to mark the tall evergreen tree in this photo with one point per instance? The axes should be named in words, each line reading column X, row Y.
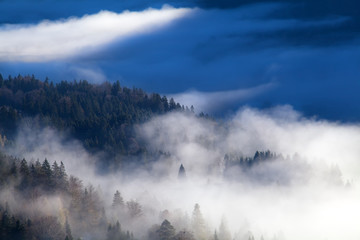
column 63, row 177
column 13, row 169
column 46, row 175
column 117, row 200
column 182, row 173
column 172, row 104
column 224, row 232
column 24, row 168
column 56, row 174
column 216, row 236
column 166, row 231
column 198, row 224
column 55, row 170
column 68, row 229
column 25, row 174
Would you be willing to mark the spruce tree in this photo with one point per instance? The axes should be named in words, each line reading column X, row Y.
column 166, row 231
column 182, row 173
column 216, row 236
column 224, row 233
column 13, row 170
column 46, row 175
column 118, row 200
column 25, row 174
column 56, row 174
column 68, row 230
column 24, row 168
column 198, row 224
column 63, row 177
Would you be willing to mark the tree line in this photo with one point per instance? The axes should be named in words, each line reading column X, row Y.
column 69, row 209
column 101, row 116
column 76, row 212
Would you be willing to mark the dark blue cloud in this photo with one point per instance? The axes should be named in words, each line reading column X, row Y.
column 33, row 11
column 36, row 10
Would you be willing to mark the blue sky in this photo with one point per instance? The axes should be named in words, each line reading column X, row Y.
column 216, row 55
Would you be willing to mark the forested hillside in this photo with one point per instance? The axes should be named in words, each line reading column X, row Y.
column 53, row 188
column 101, row 116
column 52, row 205
column 40, row 201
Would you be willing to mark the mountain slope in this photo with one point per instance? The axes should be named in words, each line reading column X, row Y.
column 101, row 116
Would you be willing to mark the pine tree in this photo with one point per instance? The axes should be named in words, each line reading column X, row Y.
column 63, row 177
column 13, row 170
column 68, row 230
column 216, row 236
column 25, row 174
column 56, row 174
column 172, row 104
column 118, row 200
column 46, row 174
column 224, row 233
column 24, row 168
column 166, row 231
column 182, row 173
column 56, row 170
column 34, row 176
column 45, row 167
column 115, row 88
column 198, row 224
column 116, row 231
column 251, row 237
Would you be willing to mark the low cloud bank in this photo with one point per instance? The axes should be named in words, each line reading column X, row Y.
column 214, row 102
column 308, row 190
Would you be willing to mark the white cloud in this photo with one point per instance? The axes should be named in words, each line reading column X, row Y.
column 211, row 102
column 51, row 40
column 94, row 75
column 311, row 209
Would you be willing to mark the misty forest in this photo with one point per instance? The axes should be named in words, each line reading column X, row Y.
column 179, row 120
column 102, row 161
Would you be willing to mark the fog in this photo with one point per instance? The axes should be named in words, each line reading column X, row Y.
column 309, row 190
column 214, row 102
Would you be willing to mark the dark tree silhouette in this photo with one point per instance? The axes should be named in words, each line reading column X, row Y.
column 117, row 200
column 166, row 231
column 182, row 173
